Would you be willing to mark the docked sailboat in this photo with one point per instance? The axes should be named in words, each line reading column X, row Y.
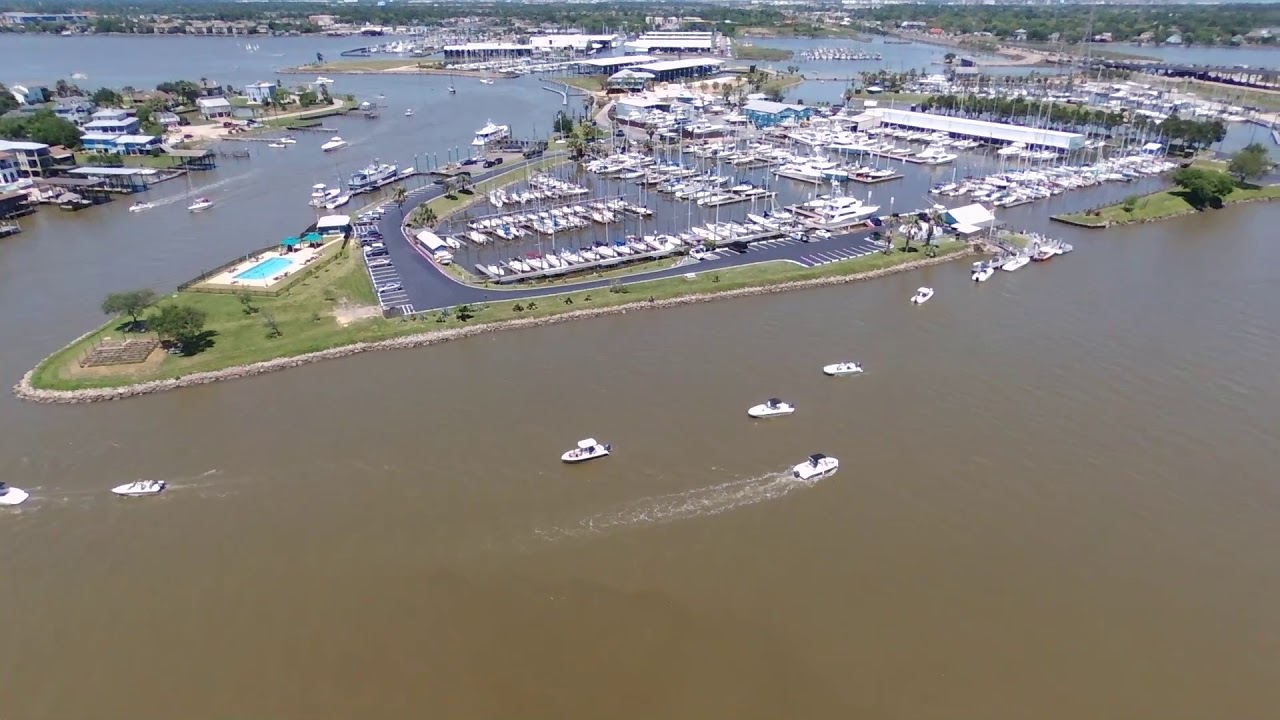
column 12, row 495
column 773, row 407
column 335, row 143
column 922, row 295
column 842, row 368
column 587, row 449
column 817, row 465
column 139, row 488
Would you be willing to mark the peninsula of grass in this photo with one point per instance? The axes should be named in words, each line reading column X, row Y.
column 590, row 83
column 1160, row 205
column 336, row 307
column 743, row 51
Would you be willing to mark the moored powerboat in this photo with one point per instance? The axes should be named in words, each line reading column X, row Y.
column 408, row 112
column 842, row 368
column 587, row 449
column 140, row 487
column 773, row 407
column 922, row 295
column 1015, row 262
column 983, row 273
column 816, row 466
column 12, row 495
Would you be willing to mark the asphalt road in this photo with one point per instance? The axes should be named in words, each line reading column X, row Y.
column 427, row 287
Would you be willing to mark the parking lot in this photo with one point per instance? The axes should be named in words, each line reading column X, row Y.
column 386, row 279
column 810, row 254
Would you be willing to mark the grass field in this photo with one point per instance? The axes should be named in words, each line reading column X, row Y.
column 590, row 83
column 1162, row 205
column 307, row 316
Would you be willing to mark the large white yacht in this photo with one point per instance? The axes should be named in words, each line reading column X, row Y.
column 334, row 143
column 840, row 211
column 491, row 133
column 801, row 172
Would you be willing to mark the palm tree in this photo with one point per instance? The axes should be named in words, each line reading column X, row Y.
column 423, row 216
column 399, row 195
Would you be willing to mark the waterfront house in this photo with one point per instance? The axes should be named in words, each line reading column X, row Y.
column 33, row 158
column 261, row 93
column 34, row 95
column 628, row 80
column 112, row 121
column 102, row 142
column 75, row 109
column 166, row 119
column 766, row 113
column 214, row 107
column 1020, row 35
column 137, row 144
column 8, row 168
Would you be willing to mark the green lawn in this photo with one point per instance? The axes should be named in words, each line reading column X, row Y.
column 158, row 161
column 305, row 315
column 590, row 83
column 757, row 52
column 1162, row 205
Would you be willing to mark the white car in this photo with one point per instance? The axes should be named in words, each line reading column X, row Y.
column 379, row 262
column 389, row 287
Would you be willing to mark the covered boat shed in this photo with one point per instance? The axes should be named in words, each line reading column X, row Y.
column 119, row 179
column 983, row 130
column 668, row 70
column 333, row 225
column 597, row 66
column 969, row 219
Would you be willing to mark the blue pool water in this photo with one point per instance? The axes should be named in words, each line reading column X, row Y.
column 265, row 269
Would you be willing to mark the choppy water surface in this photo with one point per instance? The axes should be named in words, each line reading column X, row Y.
column 1057, row 496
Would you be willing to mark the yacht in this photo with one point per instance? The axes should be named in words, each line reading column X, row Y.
column 934, row 155
column 587, row 449
column 1015, row 262
column 12, row 495
column 373, row 175
column 841, row 211
column 922, row 295
column 816, row 466
column 140, row 206
column 773, row 407
column 408, row 112
column 803, row 173
column 335, row 143
column 141, row 487
column 843, row 368
column 491, row 133
column 200, row 204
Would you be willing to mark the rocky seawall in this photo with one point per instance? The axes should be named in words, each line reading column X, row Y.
column 26, row 391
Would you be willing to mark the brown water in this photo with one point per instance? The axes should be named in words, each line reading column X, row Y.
column 1057, row 500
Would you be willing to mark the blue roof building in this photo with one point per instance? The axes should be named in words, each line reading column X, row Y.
column 766, row 113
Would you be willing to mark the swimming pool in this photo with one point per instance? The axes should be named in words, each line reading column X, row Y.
column 266, row 269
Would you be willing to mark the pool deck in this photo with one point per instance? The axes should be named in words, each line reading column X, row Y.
column 297, row 259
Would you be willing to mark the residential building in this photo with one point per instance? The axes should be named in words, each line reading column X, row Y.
column 75, row 109
column 102, row 142
column 14, row 19
column 261, row 92
column 137, row 144
column 166, row 118
column 8, row 168
column 33, row 158
column 34, row 95
column 766, row 113
column 112, row 121
column 213, row 108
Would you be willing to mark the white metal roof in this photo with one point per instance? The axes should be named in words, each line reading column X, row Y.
column 486, row 46
column 135, row 138
column 213, row 102
column 92, row 171
column 617, row 61
column 770, row 107
column 333, row 222
column 99, row 136
column 982, row 129
column 21, row 145
column 975, row 214
column 666, row 65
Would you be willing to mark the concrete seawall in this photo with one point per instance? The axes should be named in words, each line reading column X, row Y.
column 26, row 391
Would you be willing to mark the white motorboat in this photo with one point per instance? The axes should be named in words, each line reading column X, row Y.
column 277, row 145
column 452, row 89
column 12, row 495
column 141, row 206
column 773, row 407
column 587, row 449
column 287, row 140
column 335, row 143
column 843, row 368
column 816, row 466
column 1015, row 262
column 322, row 80
column 922, row 295
column 408, row 112
column 200, row 204
column 337, row 202
column 491, row 133
column 982, row 272
column 487, row 81
column 141, row 487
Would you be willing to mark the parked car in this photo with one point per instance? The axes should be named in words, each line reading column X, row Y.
column 371, row 252
column 497, row 161
column 389, row 288
column 490, row 163
column 738, row 246
column 379, row 263
column 470, row 161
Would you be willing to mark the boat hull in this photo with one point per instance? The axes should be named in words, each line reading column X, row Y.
column 133, row 490
column 838, row 371
column 764, row 411
column 598, row 451
column 14, row 496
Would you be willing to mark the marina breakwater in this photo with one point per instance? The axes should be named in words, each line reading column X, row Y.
column 25, row 390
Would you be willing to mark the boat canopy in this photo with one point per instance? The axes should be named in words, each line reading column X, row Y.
column 587, row 444
column 924, row 290
column 814, row 458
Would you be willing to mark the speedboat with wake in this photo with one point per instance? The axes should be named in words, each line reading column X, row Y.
column 773, row 407
column 587, row 449
column 334, row 143
column 201, row 203
column 141, row 206
column 12, row 495
column 816, row 466
column 922, row 295
column 139, row 488
column 842, row 368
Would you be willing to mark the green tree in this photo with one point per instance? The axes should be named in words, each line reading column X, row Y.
column 563, row 123
column 399, row 195
column 7, row 100
column 422, row 217
column 106, row 97
column 308, row 97
column 130, row 303
column 178, row 324
column 1204, row 188
column 1250, row 163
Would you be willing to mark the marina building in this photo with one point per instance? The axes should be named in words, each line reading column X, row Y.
column 765, row 113
column 573, row 43
column 669, row 70
column 14, row 19
column 982, row 130
column 597, row 66
column 673, row 42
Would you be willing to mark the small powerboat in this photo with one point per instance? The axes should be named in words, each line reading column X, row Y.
column 201, row 203
column 982, row 272
column 141, row 206
column 587, row 449
column 139, row 488
column 843, row 368
column 773, row 407
column 922, row 295
column 452, row 90
column 12, row 495
column 334, row 143
column 277, row 145
column 408, row 112
column 816, row 466
column 1015, row 262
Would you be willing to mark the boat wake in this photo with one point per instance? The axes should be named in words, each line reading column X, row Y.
column 199, row 190
column 687, row 505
